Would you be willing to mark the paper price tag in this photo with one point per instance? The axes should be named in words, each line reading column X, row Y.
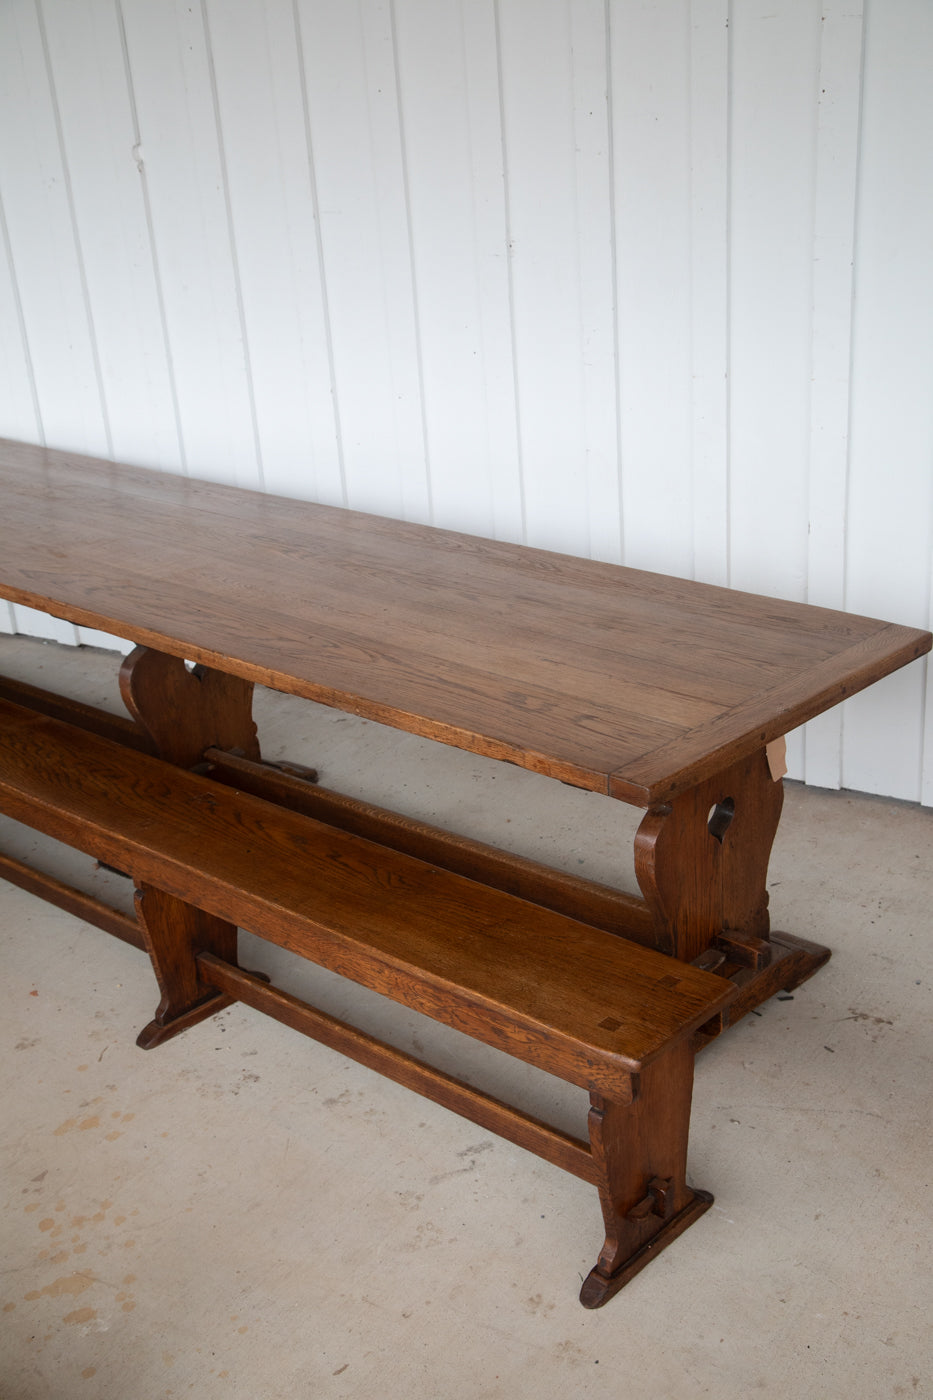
column 777, row 758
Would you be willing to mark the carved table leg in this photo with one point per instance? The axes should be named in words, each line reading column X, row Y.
column 702, row 864
column 174, row 933
column 186, row 712
column 640, row 1152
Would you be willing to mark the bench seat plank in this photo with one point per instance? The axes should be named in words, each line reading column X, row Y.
column 571, row 999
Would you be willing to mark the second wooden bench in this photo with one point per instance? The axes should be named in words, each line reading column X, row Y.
column 593, row 1009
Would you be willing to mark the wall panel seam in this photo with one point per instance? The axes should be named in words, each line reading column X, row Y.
column 139, row 160
column 232, row 241
column 21, row 320
column 412, row 263
column 319, row 250
column 519, row 415
column 75, row 234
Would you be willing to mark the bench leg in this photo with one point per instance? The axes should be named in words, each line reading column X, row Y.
column 640, row 1153
column 174, row 933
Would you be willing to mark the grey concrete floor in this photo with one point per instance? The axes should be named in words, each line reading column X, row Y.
column 243, row 1213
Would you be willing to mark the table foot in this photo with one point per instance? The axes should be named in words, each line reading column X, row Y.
column 598, row 1288
column 792, row 961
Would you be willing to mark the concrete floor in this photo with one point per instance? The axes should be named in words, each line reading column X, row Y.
column 243, row 1213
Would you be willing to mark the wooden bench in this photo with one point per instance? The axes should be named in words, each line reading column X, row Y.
column 592, row 1008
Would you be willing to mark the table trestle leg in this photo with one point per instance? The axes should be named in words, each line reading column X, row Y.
column 186, row 711
column 702, row 858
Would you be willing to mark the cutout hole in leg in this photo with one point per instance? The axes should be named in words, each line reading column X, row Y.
column 720, row 818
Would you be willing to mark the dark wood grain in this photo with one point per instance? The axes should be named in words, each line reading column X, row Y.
column 613, row 679
column 590, row 902
column 701, row 878
column 639, row 1144
column 571, row 999
column 185, row 711
column 120, row 728
column 600, row 1012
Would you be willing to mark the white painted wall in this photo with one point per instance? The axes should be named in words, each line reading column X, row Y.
column 645, row 280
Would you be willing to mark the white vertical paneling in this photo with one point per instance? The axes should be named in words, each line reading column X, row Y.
column 773, row 124
column 708, row 79
column 890, row 508
column 350, row 67
column 179, row 158
column 448, row 79
column 596, row 262
column 838, row 102
column 926, row 760
column 98, row 134
column 651, row 110
column 42, row 245
column 56, row 389
column 255, row 57
column 556, row 136
column 19, row 411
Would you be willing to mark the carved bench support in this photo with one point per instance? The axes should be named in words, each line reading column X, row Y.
column 640, row 1153
column 174, row 933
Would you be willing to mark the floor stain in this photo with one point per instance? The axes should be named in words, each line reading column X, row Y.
column 72, row 1123
column 856, row 1015
column 71, row 1285
column 80, row 1315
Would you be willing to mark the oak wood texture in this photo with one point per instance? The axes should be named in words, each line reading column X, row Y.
column 702, row 859
column 584, row 1004
column 657, row 1121
column 590, row 902
column 121, row 728
column 578, row 898
column 170, row 926
column 612, row 679
column 187, row 711
column 571, row 999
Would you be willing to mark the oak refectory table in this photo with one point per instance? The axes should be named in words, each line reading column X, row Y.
column 667, row 694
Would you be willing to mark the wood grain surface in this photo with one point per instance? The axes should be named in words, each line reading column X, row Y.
column 574, row 1000
column 613, row 679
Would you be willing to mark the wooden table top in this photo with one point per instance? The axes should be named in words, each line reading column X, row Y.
column 618, row 680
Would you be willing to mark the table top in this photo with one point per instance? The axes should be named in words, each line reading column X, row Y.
column 618, row 680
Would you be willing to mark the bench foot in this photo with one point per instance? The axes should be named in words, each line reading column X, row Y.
column 158, row 1032
column 598, row 1287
